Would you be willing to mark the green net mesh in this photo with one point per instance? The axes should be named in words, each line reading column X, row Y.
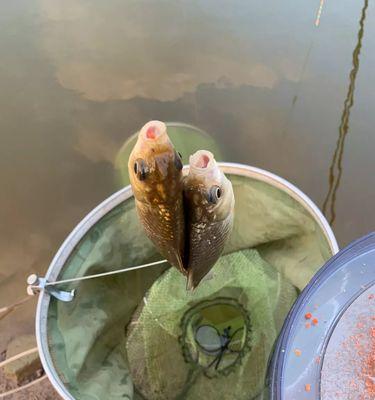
column 140, row 335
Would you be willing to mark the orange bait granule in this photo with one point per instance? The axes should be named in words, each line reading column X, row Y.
column 315, row 321
column 308, row 315
column 307, row 387
column 297, row 352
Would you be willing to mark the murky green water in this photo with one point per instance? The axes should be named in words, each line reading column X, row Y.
column 276, row 86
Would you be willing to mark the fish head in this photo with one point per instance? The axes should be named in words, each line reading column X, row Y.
column 207, row 190
column 155, row 168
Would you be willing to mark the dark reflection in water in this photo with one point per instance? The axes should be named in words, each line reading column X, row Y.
column 335, row 176
column 295, row 97
column 77, row 78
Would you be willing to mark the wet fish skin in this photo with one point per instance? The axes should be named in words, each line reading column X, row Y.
column 209, row 202
column 155, row 172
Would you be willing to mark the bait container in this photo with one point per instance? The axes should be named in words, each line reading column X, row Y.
column 326, row 348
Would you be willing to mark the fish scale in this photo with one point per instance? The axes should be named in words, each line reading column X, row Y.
column 162, row 232
column 206, row 244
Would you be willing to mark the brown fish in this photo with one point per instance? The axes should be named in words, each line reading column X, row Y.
column 155, row 170
column 209, row 203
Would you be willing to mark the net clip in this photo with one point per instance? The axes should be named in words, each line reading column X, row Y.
column 35, row 285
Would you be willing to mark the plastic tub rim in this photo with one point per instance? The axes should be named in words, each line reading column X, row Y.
column 114, row 200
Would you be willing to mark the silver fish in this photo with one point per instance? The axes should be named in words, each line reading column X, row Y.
column 209, row 203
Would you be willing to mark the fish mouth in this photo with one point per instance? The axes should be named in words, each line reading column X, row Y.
column 154, row 131
column 202, row 161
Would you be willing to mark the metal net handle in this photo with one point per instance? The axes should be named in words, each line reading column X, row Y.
column 118, row 271
column 37, row 284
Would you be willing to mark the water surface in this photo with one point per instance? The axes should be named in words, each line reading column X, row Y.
column 285, row 86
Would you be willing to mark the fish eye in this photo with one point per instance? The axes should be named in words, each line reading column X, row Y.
column 214, row 194
column 141, row 169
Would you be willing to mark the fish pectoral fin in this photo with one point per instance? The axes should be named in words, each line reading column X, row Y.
column 180, row 265
column 190, row 284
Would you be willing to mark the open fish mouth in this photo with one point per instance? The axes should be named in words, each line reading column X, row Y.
column 201, row 162
column 154, row 131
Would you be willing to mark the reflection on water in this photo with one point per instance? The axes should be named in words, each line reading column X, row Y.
column 334, row 180
column 78, row 78
column 146, row 65
column 295, row 97
column 319, row 14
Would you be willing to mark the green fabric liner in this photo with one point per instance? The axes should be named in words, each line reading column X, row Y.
column 274, row 250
